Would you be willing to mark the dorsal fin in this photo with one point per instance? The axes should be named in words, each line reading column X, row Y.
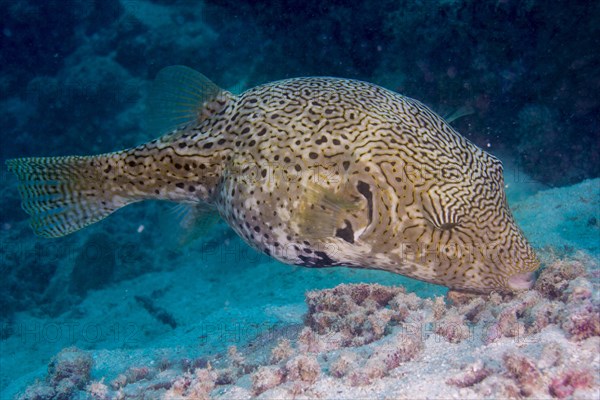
column 177, row 98
column 459, row 113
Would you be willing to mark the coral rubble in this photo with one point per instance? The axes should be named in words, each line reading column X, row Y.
column 543, row 342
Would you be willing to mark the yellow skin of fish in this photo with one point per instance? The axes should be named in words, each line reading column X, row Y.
column 312, row 171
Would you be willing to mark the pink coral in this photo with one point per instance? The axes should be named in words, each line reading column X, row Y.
column 403, row 348
column 472, row 309
column 345, row 363
column 471, row 375
column 135, row 374
column 98, row 390
column 282, row 351
column 458, row 299
column 507, row 325
column 453, row 327
column 523, row 370
column 38, row 390
column 498, row 387
column 72, row 364
column 389, row 324
column 68, row 372
column 543, row 314
column 356, row 313
column 514, row 317
column 311, row 342
column 411, row 301
column 196, row 386
column 119, row 382
column 438, row 307
column 303, row 368
column 565, row 384
column 375, row 367
column 579, row 289
column 359, row 378
column 554, row 279
column 235, row 358
column 583, row 321
column 406, row 348
column 266, row 378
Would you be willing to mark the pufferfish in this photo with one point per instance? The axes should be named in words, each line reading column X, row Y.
column 314, row 171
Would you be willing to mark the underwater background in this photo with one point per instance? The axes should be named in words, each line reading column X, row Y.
column 137, row 298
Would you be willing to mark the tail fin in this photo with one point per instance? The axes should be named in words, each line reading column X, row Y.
column 65, row 194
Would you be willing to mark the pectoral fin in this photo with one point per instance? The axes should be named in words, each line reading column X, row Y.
column 324, row 212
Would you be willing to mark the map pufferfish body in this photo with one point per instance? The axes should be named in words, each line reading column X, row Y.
column 313, row 171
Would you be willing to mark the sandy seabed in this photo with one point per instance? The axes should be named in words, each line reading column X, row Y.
column 366, row 340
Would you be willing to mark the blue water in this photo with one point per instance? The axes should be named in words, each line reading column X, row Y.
column 74, row 79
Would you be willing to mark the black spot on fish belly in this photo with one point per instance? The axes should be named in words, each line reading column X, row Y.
column 346, row 233
column 318, row 259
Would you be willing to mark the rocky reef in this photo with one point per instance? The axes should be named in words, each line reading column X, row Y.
column 369, row 340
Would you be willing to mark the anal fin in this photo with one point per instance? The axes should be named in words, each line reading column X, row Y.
column 195, row 220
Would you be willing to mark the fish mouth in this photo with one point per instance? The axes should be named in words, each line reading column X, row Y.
column 522, row 281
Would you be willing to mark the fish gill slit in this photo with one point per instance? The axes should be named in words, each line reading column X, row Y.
column 365, row 190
